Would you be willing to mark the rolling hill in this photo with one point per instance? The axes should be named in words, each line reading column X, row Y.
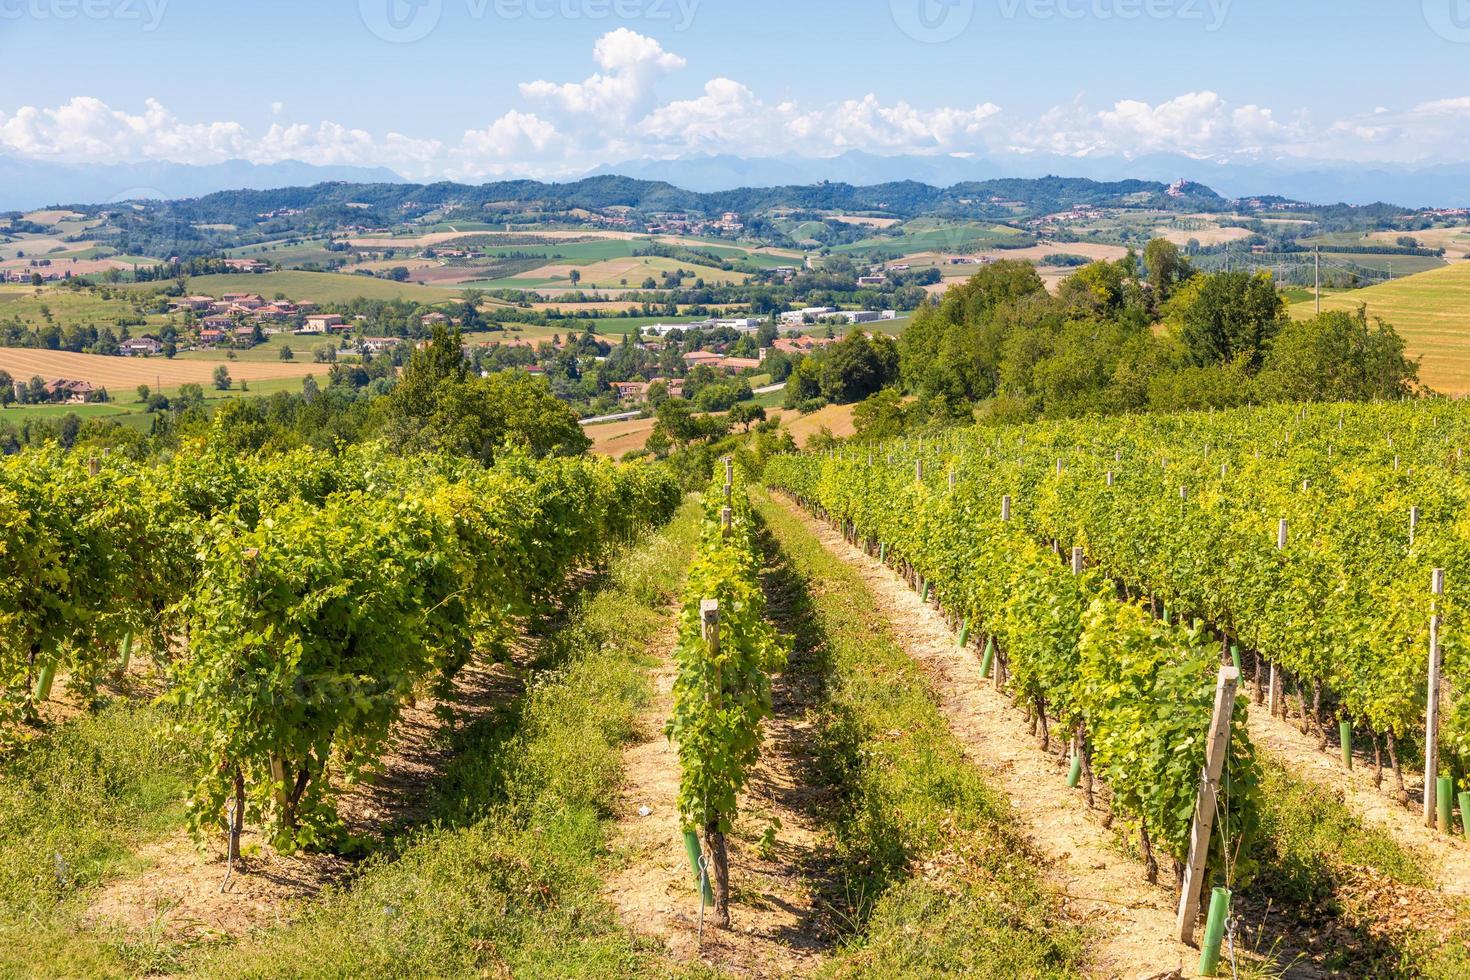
column 1431, row 311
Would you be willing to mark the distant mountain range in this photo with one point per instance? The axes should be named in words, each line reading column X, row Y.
column 1318, row 182
column 28, row 184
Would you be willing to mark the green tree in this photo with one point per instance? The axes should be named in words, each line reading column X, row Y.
column 287, row 354
column 1228, row 316
column 745, row 414
column 7, row 389
column 222, row 378
column 880, row 416
column 1338, row 356
column 144, row 393
column 1165, row 266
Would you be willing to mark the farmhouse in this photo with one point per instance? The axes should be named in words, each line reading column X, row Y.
column 245, row 335
column 64, row 390
column 871, row 280
column 630, row 391
column 190, row 304
column 735, row 365
column 322, row 323
column 247, row 265
column 140, row 347
column 211, row 336
column 379, row 345
column 429, row 319
column 249, row 301
column 802, row 345
column 701, row 357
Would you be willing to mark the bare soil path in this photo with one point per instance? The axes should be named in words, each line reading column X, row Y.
column 779, row 869
column 1102, row 886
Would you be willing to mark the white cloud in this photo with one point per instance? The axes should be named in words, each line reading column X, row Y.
column 617, row 113
column 632, row 64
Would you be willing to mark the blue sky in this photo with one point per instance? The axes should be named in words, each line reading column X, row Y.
column 475, row 88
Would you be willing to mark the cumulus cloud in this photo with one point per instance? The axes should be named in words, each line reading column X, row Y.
column 617, row 112
column 630, row 63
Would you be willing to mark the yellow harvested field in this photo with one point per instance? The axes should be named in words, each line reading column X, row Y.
column 855, row 219
column 1205, row 236
column 1431, row 311
column 1455, row 241
column 837, row 418
column 52, row 217
column 613, row 439
column 121, row 373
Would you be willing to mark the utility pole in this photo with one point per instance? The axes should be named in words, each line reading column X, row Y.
column 1317, row 263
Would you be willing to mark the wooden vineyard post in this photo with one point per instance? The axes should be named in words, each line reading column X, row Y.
column 1273, row 700
column 726, row 516
column 1005, row 508
column 1413, row 524
column 1216, row 749
column 918, row 471
column 730, row 470
column 714, row 838
column 93, row 466
column 1431, row 706
column 1077, row 561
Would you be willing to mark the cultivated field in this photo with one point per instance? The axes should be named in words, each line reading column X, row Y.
column 121, row 374
column 318, row 287
column 613, row 439
column 1432, row 313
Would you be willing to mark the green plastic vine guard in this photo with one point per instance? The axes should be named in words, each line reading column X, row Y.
column 1445, row 802
column 1235, row 656
column 964, row 634
column 126, row 655
column 1465, row 814
column 1075, row 776
column 44, row 680
column 1345, row 733
column 883, row 553
column 1209, row 951
column 989, row 661
column 691, row 846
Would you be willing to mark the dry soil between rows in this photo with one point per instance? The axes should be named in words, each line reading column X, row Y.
column 779, row 922
column 1133, row 921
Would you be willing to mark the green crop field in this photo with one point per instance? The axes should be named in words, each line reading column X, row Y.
column 925, row 235
column 1432, row 313
column 316, row 287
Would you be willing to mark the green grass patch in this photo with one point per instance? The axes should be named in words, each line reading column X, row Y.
column 74, row 808
column 910, row 799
